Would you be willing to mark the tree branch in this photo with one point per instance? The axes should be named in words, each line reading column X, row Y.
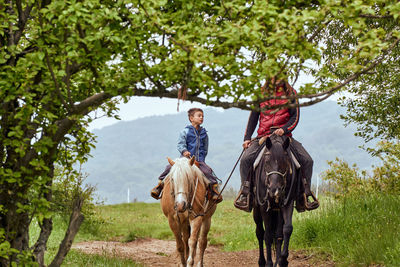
column 75, row 222
column 22, row 19
column 156, row 83
column 375, row 16
column 57, row 86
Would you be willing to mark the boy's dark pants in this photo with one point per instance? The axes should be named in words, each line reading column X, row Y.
column 250, row 155
column 208, row 172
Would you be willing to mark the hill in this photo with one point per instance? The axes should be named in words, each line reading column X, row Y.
column 132, row 154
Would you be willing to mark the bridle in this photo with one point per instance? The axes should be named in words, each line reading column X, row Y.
column 283, row 175
column 265, row 200
column 187, row 194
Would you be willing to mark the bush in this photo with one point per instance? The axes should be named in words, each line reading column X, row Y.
column 350, row 181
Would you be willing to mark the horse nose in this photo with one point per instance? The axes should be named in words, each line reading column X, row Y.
column 276, row 196
column 180, row 206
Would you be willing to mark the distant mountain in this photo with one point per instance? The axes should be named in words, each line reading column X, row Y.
column 132, row 154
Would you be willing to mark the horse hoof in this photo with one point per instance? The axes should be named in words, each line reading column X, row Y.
column 283, row 263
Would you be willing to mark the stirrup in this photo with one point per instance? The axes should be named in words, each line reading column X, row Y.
column 247, row 207
column 311, row 205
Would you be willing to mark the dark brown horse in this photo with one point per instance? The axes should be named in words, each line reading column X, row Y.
column 275, row 192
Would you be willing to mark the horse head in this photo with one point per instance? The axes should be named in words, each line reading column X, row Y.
column 276, row 167
column 182, row 176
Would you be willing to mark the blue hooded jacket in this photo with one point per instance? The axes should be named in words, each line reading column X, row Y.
column 194, row 141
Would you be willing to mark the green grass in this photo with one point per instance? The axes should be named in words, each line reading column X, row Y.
column 126, row 222
column 76, row 259
column 357, row 232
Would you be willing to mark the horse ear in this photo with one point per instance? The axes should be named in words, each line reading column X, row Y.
column 171, row 162
column 268, row 143
column 191, row 161
column 286, row 143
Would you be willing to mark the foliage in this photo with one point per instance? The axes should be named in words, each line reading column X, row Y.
column 59, row 60
column 66, row 188
column 347, row 181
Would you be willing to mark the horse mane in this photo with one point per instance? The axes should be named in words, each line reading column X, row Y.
column 276, row 148
column 182, row 167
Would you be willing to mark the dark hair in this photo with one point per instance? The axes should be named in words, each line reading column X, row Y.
column 192, row 111
column 285, row 85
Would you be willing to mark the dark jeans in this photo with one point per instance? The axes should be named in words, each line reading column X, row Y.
column 207, row 171
column 250, row 155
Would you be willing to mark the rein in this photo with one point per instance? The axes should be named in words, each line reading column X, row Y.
column 222, row 190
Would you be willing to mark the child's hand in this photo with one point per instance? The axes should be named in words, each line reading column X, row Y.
column 186, row 154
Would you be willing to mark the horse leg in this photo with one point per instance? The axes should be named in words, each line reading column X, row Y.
column 185, row 239
column 195, row 226
column 287, row 213
column 180, row 250
column 205, row 228
column 268, row 235
column 279, row 235
column 260, row 235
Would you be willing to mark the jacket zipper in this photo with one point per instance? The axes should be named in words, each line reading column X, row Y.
column 197, row 143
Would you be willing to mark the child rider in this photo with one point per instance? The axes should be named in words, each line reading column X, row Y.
column 193, row 141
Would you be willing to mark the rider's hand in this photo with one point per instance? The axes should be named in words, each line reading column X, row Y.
column 186, row 154
column 279, row 132
column 246, row 144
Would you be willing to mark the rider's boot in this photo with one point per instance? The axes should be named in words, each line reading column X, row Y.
column 216, row 196
column 309, row 194
column 242, row 201
column 301, row 204
column 156, row 191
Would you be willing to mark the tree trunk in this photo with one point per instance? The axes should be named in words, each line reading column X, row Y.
column 75, row 222
column 16, row 226
column 40, row 247
column 46, row 227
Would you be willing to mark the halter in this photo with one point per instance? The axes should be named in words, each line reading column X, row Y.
column 276, row 172
column 268, row 174
column 180, row 192
column 283, row 175
column 191, row 192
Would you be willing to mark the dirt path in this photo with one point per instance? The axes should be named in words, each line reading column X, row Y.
column 154, row 252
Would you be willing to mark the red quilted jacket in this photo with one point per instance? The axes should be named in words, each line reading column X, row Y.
column 274, row 117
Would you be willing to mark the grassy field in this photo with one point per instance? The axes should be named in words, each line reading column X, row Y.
column 355, row 232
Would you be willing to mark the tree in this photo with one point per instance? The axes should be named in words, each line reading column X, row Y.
column 60, row 60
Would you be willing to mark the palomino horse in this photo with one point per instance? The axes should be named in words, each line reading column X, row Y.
column 184, row 203
column 276, row 186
